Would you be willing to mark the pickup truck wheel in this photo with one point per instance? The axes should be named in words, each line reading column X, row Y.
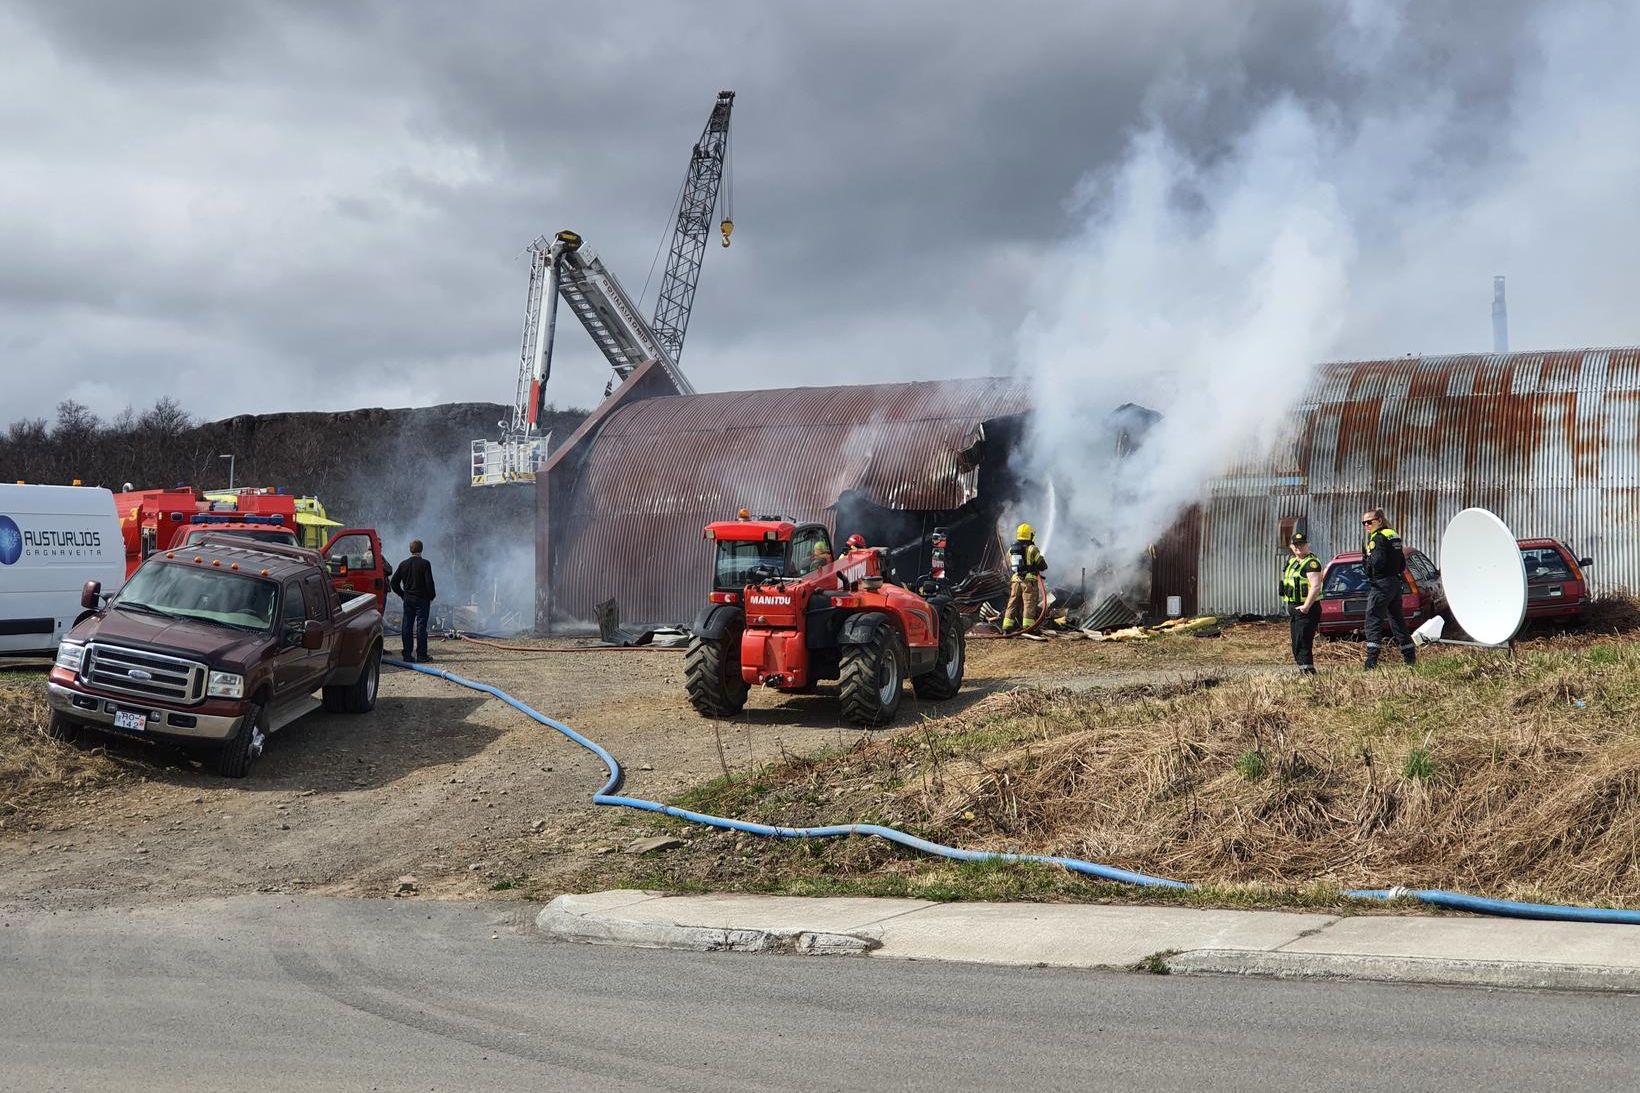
column 711, row 673
column 238, row 753
column 945, row 679
column 870, row 683
column 61, row 728
column 358, row 696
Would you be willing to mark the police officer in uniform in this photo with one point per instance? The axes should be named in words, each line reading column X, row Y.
column 1301, row 592
column 1384, row 563
column 1025, row 565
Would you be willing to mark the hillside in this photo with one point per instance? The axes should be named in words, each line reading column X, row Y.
column 405, row 472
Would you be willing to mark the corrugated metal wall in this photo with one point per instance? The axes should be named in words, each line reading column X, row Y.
column 1548, row 441
column 659, row 469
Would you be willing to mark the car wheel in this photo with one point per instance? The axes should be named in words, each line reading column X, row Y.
column 945, row 680
column 245, row 747
column 711, row 674
column 360, row 695
column 871, row 679
column 61, row 728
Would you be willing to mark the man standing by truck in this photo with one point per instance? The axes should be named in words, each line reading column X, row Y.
column 413, row 583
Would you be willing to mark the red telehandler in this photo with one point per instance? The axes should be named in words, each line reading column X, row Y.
column 785, row 614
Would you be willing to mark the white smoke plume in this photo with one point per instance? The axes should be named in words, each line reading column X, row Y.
column 1207, row 279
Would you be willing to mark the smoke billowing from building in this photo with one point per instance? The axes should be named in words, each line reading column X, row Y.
column 1206, row 278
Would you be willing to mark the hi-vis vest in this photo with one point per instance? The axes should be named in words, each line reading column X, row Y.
column 1384, row 535
column 1294, row 585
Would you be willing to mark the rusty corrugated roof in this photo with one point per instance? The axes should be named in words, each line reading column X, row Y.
column 1548, row 441
column 658, row 469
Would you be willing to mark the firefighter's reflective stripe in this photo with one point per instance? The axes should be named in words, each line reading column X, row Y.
column 1025, row 560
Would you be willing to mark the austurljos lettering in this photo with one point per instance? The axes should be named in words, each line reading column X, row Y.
column 59, row 540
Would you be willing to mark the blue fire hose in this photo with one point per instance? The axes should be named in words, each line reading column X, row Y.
column 606, row 796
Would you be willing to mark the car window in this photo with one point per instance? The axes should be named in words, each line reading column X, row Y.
column 1420, row 565
column 355, row 549
column 1545, row 564
column 737, row 559
column 292, row 610
column 1346, row 579
column 316, row 595
column 188, row 591
column 804, row 544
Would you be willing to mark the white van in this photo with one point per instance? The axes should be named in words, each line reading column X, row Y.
column 53, row 539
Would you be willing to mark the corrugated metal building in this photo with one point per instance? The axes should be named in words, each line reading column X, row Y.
column 623, row 501
column 1548, row 441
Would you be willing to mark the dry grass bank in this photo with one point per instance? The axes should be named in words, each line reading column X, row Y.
column 1513, row 777
column 36, row 771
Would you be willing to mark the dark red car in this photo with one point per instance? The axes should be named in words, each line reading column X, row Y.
column 1556, row 589
column 1344, row 593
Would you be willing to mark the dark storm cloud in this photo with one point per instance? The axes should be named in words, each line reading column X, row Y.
column 266, row 206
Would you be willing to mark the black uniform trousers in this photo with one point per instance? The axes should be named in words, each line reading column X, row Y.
column 1304, row 625
column 1384, row 605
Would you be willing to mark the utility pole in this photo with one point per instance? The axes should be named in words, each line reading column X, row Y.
column 229, row 458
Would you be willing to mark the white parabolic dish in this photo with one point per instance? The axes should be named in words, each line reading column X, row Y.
column 1484, row 576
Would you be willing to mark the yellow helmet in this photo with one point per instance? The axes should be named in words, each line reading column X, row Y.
column 1026, row 532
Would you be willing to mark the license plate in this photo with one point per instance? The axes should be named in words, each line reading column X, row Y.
column 130, row 719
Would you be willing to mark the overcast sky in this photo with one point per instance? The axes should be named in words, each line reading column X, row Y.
column 259, row 206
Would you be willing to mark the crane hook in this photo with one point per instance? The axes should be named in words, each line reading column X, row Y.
column 728, row 229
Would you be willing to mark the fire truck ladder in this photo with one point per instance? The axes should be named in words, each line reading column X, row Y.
column 617, row 328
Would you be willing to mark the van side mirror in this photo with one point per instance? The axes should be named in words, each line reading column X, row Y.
column 313, row 635
column 91, row 595
column 1585, row 562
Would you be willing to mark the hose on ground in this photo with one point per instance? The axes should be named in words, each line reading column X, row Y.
column 607, row 796
column 489, row 644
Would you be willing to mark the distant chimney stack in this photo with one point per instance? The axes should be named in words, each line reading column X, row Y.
column 1500, row 318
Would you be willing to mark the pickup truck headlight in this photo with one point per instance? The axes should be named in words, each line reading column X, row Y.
column 70, row 655
column 226, row 685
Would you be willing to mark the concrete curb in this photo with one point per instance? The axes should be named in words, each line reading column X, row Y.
column 557, row 920
column 1511, row 974
column 1455, row 951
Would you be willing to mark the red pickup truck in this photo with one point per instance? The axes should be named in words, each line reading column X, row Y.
column 214, row 648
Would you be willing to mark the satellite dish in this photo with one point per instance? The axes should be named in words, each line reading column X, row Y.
column 1484, row 576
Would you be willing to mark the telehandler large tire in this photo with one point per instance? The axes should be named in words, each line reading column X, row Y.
column 711, row 672
column 871, row 680
column 945, row 680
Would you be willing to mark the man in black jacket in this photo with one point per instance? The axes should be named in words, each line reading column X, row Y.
column 1383, row 564
column 413, row 583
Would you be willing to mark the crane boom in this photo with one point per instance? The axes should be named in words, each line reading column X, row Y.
column 561, row 269
column 695, row 209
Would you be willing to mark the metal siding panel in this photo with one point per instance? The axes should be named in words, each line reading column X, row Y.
column 1548, row 441
column 661, row 468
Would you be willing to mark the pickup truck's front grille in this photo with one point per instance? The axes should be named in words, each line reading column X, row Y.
column 149, row 675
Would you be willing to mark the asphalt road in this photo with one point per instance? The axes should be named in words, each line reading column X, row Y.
column 280, row 993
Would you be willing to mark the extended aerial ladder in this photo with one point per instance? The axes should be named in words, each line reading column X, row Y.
column 562, row 268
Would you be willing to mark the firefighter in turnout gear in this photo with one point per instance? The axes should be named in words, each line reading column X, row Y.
column 1383, row 564
column 1301, row 593
column 1026, row 566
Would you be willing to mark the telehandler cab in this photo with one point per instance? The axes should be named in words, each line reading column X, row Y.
column 785, row 613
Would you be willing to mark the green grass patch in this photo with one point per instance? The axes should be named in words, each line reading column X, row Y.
column 1418, row 767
